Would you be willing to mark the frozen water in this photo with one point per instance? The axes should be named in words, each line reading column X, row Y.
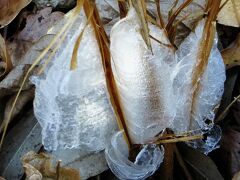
column 72, row 106
column 147, row 161
column 145, row 92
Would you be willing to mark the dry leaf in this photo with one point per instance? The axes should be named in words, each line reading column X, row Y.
column 230, row 13
column 38, row 24
column 231, row 55
column 43, row 163
column 5, row 61
column 9, row 9
column 24, row 98
column 236, row 176
column 31, row 172
column 36, row 27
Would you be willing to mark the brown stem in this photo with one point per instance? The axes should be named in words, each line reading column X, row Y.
column 103, row 43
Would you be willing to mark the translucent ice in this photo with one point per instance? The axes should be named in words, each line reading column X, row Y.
column 146, row 162
column 72, row 106
column 193, row 116
column 145, row 91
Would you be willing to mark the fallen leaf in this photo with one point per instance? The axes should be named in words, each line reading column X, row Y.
column 25, row 135
column 36, row 27
column 5, row 60
column 236, row 176
column 200, row 165
column 227, row 157
column 43, row 163
column 17, row 49
column 230, row 13
column 229, row 84
column 38, row 24
column 31, row 172
column 24, row 98
column 11, row 83
column 9, row 9
column 231, row 55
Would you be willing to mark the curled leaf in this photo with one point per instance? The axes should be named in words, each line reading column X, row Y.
column 42, row 163
column 231, row 55
column 5, row 61
column 230, row 13
column 9, row 9
column 31, row 172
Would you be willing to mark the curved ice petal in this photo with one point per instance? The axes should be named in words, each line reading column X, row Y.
column 210, row 142
column 147, row 161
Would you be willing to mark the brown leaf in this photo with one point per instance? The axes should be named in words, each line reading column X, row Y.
column 230, row 13
column 231, row 55
column 31, row 172
column 24, row 98
column 227, row 157
column 5, row 58
column 9, row 9
column 236, row 176
column 36, row 27
column 43, row 163
column 38, row 24
column 200, row 165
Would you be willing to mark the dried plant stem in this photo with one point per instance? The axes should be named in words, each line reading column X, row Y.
column 170, row 23
column 178, row 139
column 103, row 43
column 205, row 48
column 222, row 115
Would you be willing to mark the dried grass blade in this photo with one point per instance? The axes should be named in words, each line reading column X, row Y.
column 205, row 47
column 4, row 55
column 103, row 43
column 179, row 139
column 141, row 10
column 161, row 22
column 174, row 15
column 73, row 64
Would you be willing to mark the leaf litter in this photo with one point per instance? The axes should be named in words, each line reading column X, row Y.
column 230, row 56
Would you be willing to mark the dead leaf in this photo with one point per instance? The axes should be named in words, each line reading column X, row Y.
column 38, row 24
column 227, row 157
column 230, row 13
column 200, row 165
column 11, row 83
column 236, row 176
column 17, row 49
column 231, row 79
column 24, row 98
column 5, row 60
column 231, row 55
column 43, row 163
column 36, row 27
column 31, row 172
column 9, row 9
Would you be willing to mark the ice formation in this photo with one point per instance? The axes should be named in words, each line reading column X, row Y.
column 72, row 106
column 146, row 163
column 141, row 77
column 155, row 90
